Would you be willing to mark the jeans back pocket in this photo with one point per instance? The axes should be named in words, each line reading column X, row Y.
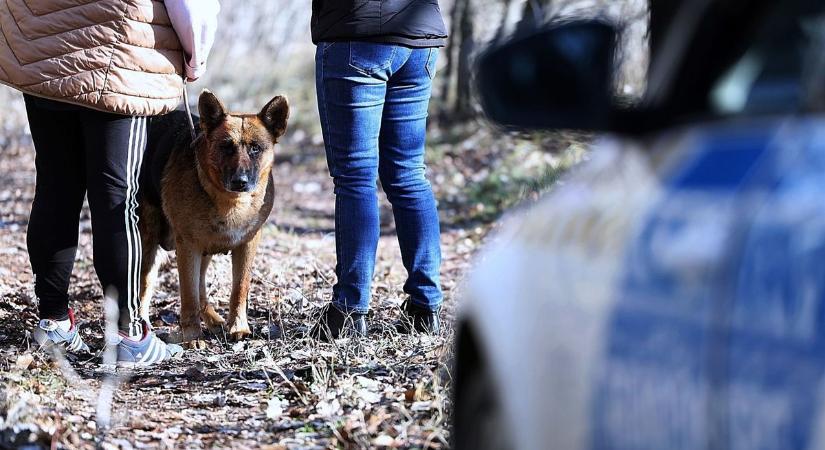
column 432, row 59
column 370, row 57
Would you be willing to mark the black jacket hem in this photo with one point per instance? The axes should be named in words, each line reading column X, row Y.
column 400, row 40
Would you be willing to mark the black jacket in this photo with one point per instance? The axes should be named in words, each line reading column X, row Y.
column 414, row 23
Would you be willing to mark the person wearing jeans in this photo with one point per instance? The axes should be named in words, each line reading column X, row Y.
column 375, row 62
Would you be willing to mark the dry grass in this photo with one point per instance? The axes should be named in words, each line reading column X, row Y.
column 277, row 387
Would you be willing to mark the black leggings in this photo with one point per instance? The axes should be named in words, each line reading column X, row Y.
column 82, row 152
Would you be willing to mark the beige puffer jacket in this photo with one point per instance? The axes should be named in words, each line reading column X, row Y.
column 120, row 56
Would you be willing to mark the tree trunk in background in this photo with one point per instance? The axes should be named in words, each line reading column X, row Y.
column 463, row 108
column 447, row 73
column 474, row 22
column 456, row 90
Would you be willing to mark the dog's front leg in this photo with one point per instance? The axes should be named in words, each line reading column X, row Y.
column 214, row 322
column 149, row 265
column 242, row 258
column 189, row 273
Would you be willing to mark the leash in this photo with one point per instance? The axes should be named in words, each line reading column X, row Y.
column 192, row 130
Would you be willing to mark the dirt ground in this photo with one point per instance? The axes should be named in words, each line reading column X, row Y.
column 275, row 390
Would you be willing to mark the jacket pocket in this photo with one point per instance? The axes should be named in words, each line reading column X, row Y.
column 370, row 58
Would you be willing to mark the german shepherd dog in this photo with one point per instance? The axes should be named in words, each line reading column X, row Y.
column 208, row 196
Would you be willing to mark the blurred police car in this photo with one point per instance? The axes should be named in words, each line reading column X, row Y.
column 671, row 293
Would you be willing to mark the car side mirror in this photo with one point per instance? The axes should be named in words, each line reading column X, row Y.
column 557, row 77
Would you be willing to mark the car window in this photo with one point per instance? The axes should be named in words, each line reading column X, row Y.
column 782, row 71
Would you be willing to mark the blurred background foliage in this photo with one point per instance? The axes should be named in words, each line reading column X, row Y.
column 263, row 48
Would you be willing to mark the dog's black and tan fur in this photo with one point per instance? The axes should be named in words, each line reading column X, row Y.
column 207, row 197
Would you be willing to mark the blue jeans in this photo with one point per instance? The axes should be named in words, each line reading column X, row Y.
column 373, row 101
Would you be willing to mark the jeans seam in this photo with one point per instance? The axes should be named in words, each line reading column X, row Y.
column 337, row 251
column 325, row 128
column 427, row 63
column 325, row 131
column 430, row 73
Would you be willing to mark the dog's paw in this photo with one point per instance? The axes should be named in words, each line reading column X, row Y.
column 190, row 332
column 240, row 335
column 195, row 344
column 213, row 321
column 239, row 329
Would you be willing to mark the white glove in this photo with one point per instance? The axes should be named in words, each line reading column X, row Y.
column 195, row 22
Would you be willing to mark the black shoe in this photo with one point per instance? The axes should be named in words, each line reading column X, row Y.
column 334, row 323
column 416, row 318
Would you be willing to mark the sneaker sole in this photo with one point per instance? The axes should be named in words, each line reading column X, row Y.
column 138, row 365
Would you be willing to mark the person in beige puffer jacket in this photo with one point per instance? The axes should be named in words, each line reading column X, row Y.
column 93, row 73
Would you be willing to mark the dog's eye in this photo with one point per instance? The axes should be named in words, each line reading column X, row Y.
column 228, row 149
column 255, row 150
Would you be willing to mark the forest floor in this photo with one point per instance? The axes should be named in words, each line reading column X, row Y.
column 276, row 389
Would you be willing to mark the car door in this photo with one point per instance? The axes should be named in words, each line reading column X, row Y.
column 776, row 353
column 662, row 381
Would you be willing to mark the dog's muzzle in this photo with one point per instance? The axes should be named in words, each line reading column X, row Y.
column 241, row 183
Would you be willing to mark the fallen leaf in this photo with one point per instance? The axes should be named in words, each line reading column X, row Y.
column 421, row 406
column 275, row 408
column 24, row 361
column 384, row 441
column 369, row 396
column 328, row 408
column 367, row 383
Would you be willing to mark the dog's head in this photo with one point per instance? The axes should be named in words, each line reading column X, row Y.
column 240, row 148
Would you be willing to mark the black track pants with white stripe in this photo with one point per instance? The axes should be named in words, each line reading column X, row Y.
column 81, row 152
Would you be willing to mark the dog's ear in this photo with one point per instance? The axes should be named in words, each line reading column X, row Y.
column 212, row 112
column 274, row 116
